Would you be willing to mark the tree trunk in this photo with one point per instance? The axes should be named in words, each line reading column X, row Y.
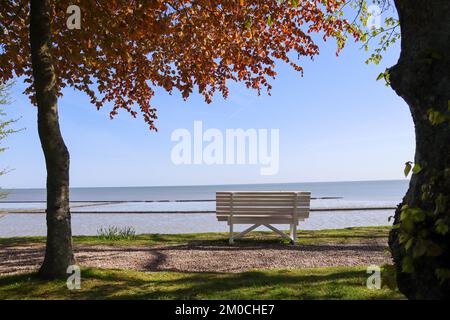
column 420, row 244
column 58, row 254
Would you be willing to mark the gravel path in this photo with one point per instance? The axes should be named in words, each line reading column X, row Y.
column 204, row 258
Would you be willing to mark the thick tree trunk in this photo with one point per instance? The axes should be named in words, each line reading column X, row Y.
column 422, row 78
column 58, row 255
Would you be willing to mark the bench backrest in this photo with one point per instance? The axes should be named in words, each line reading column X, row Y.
column 263, row 206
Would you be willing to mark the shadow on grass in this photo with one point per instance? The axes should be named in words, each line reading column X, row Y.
column 330, row 283
column 15, row 241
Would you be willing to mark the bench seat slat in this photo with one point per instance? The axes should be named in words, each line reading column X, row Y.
column 262, row 192
column 262, row 220
column 289, row 202
column 262, row 198
column 272, row 199
column 262, row 212
column 259, row 206
column 255, row 217
column 258, row 214
column 252, row 208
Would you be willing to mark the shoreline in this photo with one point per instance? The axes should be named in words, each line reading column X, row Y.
column 32, row 224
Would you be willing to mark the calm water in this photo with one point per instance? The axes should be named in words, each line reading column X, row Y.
column 354, row 195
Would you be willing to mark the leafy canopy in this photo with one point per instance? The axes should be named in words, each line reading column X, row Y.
column 5, row 124
column 125, row 49
column 5, row 129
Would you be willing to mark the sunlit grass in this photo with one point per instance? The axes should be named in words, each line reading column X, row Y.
column 304, row 237
column 317, row 283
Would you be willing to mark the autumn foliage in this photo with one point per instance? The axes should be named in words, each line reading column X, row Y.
column 125, row 49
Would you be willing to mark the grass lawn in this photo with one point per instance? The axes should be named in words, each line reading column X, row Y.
column 318, row 283
column 304, row 237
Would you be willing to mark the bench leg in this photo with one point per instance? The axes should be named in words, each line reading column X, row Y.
column 282, row 234
column 293, row 231
column 243, row 233
column 231, row 241
column 292, row 236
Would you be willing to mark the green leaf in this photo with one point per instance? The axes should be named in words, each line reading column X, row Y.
column 435, row 117
column 409, row 244
column 441, row 203
column 407, row 264
column 404, row 214
column 407, row 216
column 442, row 274
column 269, row 20
column 417, row 168
column 403, row 237
column 408, row 225
column 384, row 75
column 441, row 227
column 408, row 167
column 380, row 76
column 387, row 77
column 420, row 248
column 417, row 214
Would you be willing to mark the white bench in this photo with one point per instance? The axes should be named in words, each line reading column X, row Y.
column 263, row 208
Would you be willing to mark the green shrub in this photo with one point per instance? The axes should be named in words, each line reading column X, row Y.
column 116, row 233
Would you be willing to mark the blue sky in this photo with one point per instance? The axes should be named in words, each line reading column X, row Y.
column 336, row 124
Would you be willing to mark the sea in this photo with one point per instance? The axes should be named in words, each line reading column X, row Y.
column 190, row 209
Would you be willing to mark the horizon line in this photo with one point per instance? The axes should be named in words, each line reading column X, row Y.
column 211, row 185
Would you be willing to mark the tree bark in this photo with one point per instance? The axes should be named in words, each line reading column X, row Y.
column 422, row 78
column 58, row 254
